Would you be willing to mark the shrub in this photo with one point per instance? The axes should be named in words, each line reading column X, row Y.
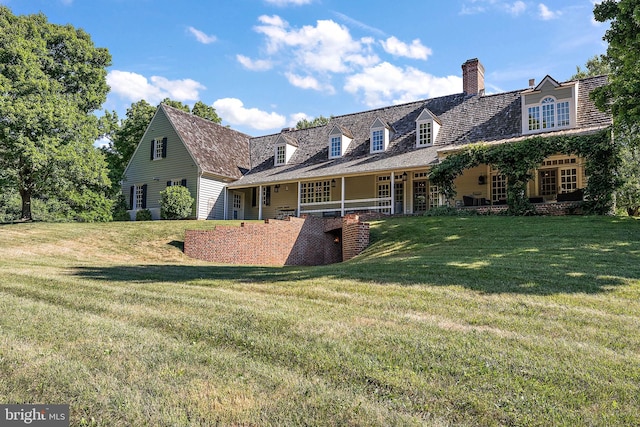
column 143, row 215
column 175, row 203
column 119, row 210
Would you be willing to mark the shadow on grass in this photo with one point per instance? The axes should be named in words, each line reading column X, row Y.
column 535, row 257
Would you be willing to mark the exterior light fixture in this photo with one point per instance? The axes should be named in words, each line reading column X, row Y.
column 333, row 182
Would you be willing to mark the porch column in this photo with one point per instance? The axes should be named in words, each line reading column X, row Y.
column 226, row 207
column 392, row 191
column 342, row 188
column 299, row 196
column 260, row 203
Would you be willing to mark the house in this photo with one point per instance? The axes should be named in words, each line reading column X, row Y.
column 373, row 161
column 179, row 148
column 379, row 160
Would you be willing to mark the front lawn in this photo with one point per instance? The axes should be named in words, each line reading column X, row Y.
column 441, row 321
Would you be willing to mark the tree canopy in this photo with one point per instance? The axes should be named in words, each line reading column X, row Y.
column 52, row 78
column 318, row 121
column 595, row 66
column 621, row 96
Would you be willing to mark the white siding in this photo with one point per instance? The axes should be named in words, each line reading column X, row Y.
column 211, row 200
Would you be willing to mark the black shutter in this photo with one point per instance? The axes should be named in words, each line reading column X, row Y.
column 131, row 197
column 168, row 183
column 144, row 197
column 153, row 148
column 267, row 195
column 254, row 193
column 183, row 182
column 164, row 148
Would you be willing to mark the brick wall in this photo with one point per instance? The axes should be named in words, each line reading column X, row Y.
column 293, row 241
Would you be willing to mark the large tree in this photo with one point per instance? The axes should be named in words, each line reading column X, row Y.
column 52, row 78
column 595, row 66
column 621, row 96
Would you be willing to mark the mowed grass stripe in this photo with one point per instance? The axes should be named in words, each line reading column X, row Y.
column 439, row 330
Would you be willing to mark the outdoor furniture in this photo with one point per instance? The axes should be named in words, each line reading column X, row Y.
column 574, row 196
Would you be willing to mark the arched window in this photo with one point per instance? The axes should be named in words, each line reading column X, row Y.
column 549, row 114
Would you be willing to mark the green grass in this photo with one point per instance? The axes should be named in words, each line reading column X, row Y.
column 442, row 321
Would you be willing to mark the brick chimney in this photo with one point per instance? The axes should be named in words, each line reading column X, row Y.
column 473, row 77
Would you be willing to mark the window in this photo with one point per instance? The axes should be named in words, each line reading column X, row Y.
column 434, row 196
column 266, row 195
column 335, row 149
column 549, row 114
column 315, row 192
column 424, row 134
column 377, row 140
column 138, row 196
column 498, row 188
column 281, row 155
column 158, row 148
column 174, row 182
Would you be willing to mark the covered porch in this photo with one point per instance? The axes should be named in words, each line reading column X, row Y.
column 559, row 178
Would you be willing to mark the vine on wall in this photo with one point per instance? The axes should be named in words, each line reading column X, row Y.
column 518, row 160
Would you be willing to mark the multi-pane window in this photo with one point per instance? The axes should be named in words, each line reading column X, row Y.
column 549, row 114
column 139, row 197
column 281, row 155
column 157, row 152
column 377, row 140
column 237, row 201
column 424, row 133
column 534, row 118
column 563, row 113
column 315, row 192
column 498, row 187
column 434, row 196
column 568, row 180
column 335, row 148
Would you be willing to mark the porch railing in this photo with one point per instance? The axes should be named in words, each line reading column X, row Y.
column 379, row 204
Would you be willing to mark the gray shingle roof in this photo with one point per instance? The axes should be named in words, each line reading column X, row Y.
column 217, row 149
column 465, row 119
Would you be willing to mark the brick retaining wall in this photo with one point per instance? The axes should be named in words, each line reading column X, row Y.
column 292, row 241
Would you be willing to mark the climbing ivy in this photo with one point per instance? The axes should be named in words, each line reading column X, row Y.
column 517, row 161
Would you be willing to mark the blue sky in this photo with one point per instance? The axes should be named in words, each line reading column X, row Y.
column 265, row 64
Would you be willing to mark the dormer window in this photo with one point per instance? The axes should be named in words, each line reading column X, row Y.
column 380, row 136
column 549, row 114
column 339, row 140
column 336, row 146
column 549, row 106
column 377, row 140
column 281, row 155
column 284, row 149
column 427, row 126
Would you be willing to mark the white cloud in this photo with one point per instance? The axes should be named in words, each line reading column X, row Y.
column 254, row 64
column 134, row 87
column 234, row 111
column 415, row 51
column 202, row 37
column 546, row 14
column 473, row 7
column 386, row 83
column 516, row 8
column 326, row 47
column 296, row 117
column 289, row 2
column 308, row 82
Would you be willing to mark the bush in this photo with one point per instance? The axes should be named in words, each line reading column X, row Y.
column 175, row 203
column 143, row 215
column 119, row 210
